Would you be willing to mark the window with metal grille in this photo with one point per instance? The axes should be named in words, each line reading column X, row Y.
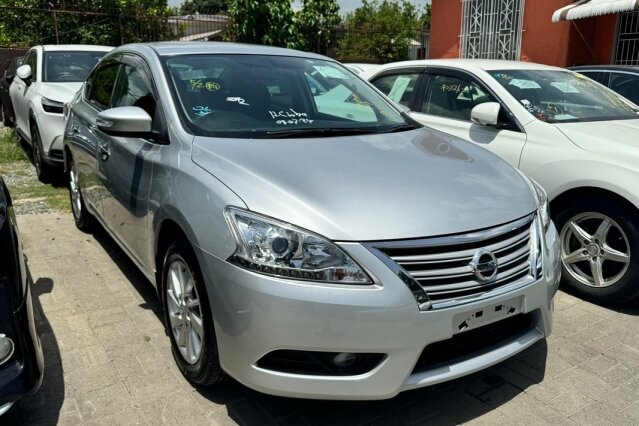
column 627, row 47
column 491, row 29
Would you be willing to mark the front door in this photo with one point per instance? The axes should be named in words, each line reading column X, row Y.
column 445, row 103
column 126, row 166
column 21, row 92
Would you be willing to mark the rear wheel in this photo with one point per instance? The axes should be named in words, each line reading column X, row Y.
column 188, row 316
column 83, row 219
column 43, row 170
column 600, row 249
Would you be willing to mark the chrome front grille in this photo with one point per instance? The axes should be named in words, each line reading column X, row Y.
column 442, row 266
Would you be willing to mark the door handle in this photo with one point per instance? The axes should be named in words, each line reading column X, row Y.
column 105, row 152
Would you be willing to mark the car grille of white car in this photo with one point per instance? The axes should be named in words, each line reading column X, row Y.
column 442, row 266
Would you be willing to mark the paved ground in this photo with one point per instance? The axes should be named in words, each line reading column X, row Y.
column 109, row 362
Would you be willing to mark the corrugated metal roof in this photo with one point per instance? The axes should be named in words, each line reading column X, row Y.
column 588, row 8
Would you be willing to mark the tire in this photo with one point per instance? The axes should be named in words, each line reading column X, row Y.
column 84, row 221
column 599, row 249
column 182, row 316
column 43, row 170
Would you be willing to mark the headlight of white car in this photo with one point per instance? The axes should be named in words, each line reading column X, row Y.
column 51, row 106
column 271, row 247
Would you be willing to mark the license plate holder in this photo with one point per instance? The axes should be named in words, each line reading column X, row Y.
column 486, row 315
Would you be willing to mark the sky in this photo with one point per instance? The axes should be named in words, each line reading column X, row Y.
column 345, row 6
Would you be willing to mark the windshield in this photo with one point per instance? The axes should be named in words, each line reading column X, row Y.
column 260, row 96
column 72, row 66
column 563, row 96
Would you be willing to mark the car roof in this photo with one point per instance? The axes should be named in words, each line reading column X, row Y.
column 473, row 64
column 170, row 48
column 606, row 67
column 73, row 47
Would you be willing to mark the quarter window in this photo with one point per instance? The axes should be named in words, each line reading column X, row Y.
column 132, row 90
column 398, row 87
column 101, row 85
column 453, row 97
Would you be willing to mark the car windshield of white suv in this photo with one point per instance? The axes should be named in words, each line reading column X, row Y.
column 564, row 96
column 259, row 96
column 69, row 66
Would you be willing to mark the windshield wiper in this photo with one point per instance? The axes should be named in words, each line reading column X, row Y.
column 329, row 131
column 400, row 128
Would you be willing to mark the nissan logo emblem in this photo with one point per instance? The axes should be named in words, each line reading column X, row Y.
column 484, row 265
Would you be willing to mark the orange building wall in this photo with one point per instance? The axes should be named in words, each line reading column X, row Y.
column 543, row 41
column 445, row 28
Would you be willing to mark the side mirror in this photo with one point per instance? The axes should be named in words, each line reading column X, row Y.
column 24, row 72
column 486, row 114
column 124, row 121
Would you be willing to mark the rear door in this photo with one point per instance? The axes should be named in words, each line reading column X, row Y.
column 126, row 163
column 82, row 132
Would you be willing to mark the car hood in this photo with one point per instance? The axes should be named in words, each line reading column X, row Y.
column 372, row 187
column 60, row 92
column 618, row 137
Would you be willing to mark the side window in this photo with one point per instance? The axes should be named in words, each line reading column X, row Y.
column 627, row 85
column 101, row 85
column 452, row 97
column 598, row 76
column 132, row 90
column 398, row 87
column 32, row 60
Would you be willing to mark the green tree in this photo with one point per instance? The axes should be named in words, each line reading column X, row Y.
column 26, row 23
column 208, row 7
column 314, row 24
column 424, row 19
column 261, row 22
column 379, row 32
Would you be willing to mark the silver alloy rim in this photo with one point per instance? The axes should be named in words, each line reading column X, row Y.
column 185, row 314
column 594, row 249
column 74, row 188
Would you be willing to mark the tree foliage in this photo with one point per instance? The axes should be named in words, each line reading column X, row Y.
column 261, row 22
column 314, row 24
column 379, row 32
column 205, row 7
column 26, row 23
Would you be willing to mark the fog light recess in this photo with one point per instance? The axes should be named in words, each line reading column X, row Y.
column 317, row 363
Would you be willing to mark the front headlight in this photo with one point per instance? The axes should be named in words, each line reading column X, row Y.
column 271, row 247
column 542, row 203
column 51, row 106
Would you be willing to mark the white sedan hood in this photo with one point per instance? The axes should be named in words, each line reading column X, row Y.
column 618, row 137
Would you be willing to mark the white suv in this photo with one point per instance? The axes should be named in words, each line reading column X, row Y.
column 48, row 78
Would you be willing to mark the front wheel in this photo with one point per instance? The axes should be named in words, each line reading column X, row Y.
column 600, row 249
column 43, row 170
column 188, row 316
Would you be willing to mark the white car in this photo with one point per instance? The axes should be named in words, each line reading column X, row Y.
column 49, row 77
column 359, row 68
column 575, row 137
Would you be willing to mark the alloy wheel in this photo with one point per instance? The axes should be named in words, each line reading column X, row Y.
column 185, row 314
column 76, row 202
column 594, row 249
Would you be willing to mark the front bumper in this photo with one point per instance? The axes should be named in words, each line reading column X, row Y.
column 255, row 314
column 22, row 374
column 51, row 128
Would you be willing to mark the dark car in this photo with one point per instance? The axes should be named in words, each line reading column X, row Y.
column 21, row 361
column 623, row 80
column 6, row 108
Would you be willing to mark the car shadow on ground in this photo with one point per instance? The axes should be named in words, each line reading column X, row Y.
column 44, row 407
column 454, row 402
